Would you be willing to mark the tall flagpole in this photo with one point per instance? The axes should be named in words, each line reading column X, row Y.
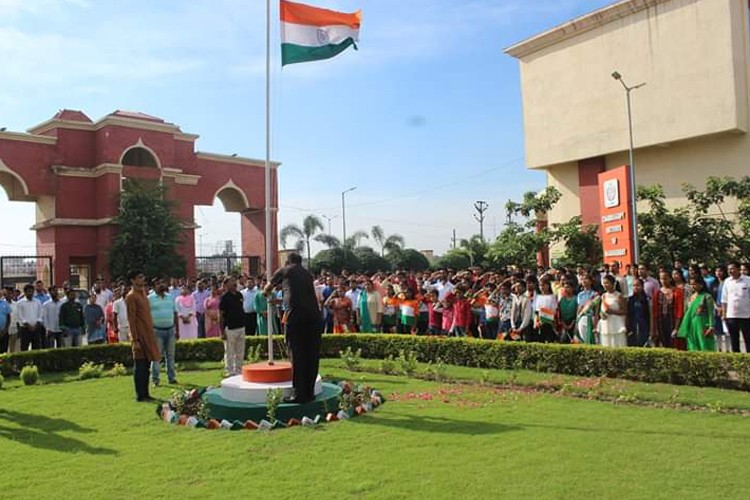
column 269, row 230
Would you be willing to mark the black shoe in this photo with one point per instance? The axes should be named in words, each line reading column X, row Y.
column 147, row 399
column 174, row 382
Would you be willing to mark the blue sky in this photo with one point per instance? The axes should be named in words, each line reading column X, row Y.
column 424, row 119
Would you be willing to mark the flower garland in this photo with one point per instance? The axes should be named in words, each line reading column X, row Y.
column 188, row 408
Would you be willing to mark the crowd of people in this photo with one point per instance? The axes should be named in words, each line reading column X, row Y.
column 687, row 308
column 683, row 307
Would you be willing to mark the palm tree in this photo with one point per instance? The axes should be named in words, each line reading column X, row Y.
column 387, row 244
column 328, row 240
column 310, row 225
column 351, row 242
column 474, row 248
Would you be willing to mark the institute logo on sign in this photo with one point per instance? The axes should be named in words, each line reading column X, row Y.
column 611, row 193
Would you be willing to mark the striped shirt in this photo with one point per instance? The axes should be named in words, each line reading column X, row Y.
column 162, row 310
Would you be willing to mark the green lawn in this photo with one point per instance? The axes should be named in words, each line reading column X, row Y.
column 430, row 440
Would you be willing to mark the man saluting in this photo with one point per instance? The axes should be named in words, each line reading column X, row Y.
column 303, row 325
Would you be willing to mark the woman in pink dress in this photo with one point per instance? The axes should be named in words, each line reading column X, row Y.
column 186, row 316
column 213, row 326
column 109, row 314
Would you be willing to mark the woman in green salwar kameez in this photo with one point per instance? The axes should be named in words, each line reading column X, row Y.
column 261, row 306
column 697, row 326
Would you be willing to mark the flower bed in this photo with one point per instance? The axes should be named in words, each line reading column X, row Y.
column 188, row 408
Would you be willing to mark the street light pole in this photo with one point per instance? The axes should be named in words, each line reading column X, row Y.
column 343, row 211
column 329, row 221
column 634, row 215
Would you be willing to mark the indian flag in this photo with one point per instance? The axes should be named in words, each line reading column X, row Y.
column 310, row 33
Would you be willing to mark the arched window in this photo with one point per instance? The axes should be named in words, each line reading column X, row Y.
column 139, row 157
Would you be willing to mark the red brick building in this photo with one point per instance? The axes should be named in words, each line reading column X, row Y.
column 72, row 168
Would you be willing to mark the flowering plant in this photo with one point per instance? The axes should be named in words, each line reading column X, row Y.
column 353, row 396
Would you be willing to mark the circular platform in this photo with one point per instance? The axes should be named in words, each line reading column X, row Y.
column 221, row 408
column 265, row 373
column 239, row 390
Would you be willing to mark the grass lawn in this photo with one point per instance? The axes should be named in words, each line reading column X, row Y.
column 88, row 439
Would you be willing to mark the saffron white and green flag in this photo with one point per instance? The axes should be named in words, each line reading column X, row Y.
column 310, row 33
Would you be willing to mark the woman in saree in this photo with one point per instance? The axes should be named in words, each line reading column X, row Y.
column 669, row 306
column 213, row 326
column 686, row 291
column 370, row 309
column 697, row 327
column 588, row 303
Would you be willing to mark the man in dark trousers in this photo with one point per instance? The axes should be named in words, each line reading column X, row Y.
column 303, row 325
column 145, row 349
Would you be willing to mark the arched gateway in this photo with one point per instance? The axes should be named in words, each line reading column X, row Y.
column 72, row 168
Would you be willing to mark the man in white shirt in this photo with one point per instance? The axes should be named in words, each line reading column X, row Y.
column 51, row 319
column 353, row 295
column 621, row 282
column 248, row 304
column 103, row 294
column 29, row 319
column 735, row 302
column 120, row 310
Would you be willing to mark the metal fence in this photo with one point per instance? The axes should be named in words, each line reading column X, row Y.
column 17, row 270
column 227, row 265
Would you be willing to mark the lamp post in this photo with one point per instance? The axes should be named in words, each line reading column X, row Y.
column 343, row 211
column 634, row 215
column 329, row 218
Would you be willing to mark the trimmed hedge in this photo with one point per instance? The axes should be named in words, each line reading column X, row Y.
column 647, row 365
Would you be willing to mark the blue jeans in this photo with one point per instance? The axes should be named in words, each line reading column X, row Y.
column 72, row 337
column 165, row 339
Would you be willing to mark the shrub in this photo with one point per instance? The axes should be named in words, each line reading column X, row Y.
column 273, row 400
column 90, row 370
column 646, row 365
column 407, row 360
column 437, row 371
column 388, row 366
column 118, row 370
column 30, row 374
column 253, row 354
column 351, row 359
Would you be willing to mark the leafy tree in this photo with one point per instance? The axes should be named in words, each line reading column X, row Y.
column 519, row 242
column 410, row 259
column 475, row 248
column 582, row 243
column 310, row 225
column 387, row 244
column 722, row 196
column 687, row 233
column 454, row 259
column 370, row 261
column 334, row 260
column 149, row 233
column 516, row 245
